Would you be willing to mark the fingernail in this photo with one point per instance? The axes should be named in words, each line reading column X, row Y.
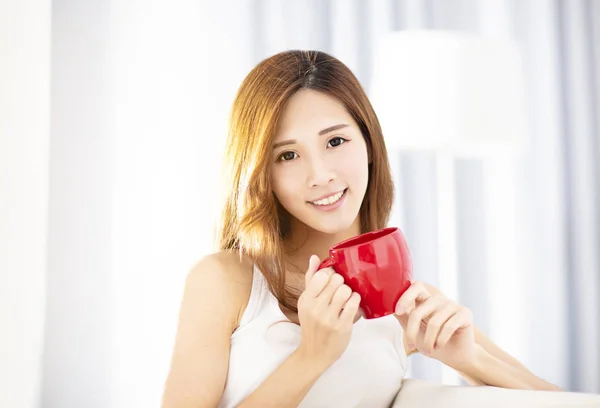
column 399, row 310
column 411, row 346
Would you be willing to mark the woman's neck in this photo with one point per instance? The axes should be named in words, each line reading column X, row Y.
column 305, row 241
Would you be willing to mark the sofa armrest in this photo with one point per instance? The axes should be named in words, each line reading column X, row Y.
column 417, row 393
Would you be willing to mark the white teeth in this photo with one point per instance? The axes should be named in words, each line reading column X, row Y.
column 329, row 200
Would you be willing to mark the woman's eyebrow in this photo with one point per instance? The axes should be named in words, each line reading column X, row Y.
column 332, row 128
column 284, row 143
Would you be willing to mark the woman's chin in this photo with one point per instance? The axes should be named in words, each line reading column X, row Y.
column 331, row 228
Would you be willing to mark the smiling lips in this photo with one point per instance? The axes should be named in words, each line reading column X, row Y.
column 330, row 199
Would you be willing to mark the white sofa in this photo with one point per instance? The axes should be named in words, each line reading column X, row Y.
column 416, row 393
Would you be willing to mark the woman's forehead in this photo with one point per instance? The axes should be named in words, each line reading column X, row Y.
column 309, row 112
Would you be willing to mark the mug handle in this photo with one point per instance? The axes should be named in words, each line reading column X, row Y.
column 327, row 262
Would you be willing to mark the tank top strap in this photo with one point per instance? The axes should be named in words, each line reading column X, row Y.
column 257, row 296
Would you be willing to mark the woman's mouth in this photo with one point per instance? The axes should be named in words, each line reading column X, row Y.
column 331, row 202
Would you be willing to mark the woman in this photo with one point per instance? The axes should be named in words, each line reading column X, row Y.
column 307, row 167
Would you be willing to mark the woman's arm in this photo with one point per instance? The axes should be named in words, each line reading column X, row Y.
column 487, row 369
column 201, row 353
column 496, row 351
column 492, row 356
column 288, row 384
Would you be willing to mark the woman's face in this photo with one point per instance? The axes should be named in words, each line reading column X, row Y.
column 319, row 162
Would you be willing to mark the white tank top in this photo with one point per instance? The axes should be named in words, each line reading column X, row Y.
column 368, row 374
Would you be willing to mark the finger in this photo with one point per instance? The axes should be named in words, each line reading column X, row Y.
column 339, row 298
column 416, row 292
column 350, row 309
column 313, row 264
column 459, row 320
column 435, row 324
column 418, row 314
column 332, row 286
column 358, row 315
column 319, row 282
column 403, row 319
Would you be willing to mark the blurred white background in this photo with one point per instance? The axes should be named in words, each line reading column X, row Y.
column 113, row 116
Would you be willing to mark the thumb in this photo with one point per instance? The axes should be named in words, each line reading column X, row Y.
column 313, row 265
column 403, row 320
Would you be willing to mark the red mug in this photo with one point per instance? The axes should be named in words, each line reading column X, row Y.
column 376, row 265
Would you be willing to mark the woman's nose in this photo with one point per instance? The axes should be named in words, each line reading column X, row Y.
column 320, row 172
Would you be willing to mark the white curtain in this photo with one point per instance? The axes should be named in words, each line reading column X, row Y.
column 138, row 121
column 140, row 96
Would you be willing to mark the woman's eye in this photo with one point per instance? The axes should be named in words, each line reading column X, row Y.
column 287, row 156
column 336, row 141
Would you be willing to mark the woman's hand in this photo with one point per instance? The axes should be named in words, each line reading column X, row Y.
column 437, row 327
column 326, row 309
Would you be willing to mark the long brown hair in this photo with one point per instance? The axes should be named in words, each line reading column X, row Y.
column 252, row 220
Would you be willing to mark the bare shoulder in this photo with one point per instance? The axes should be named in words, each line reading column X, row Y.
column 226, row 279
column 216, row 290
column 224, row 266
